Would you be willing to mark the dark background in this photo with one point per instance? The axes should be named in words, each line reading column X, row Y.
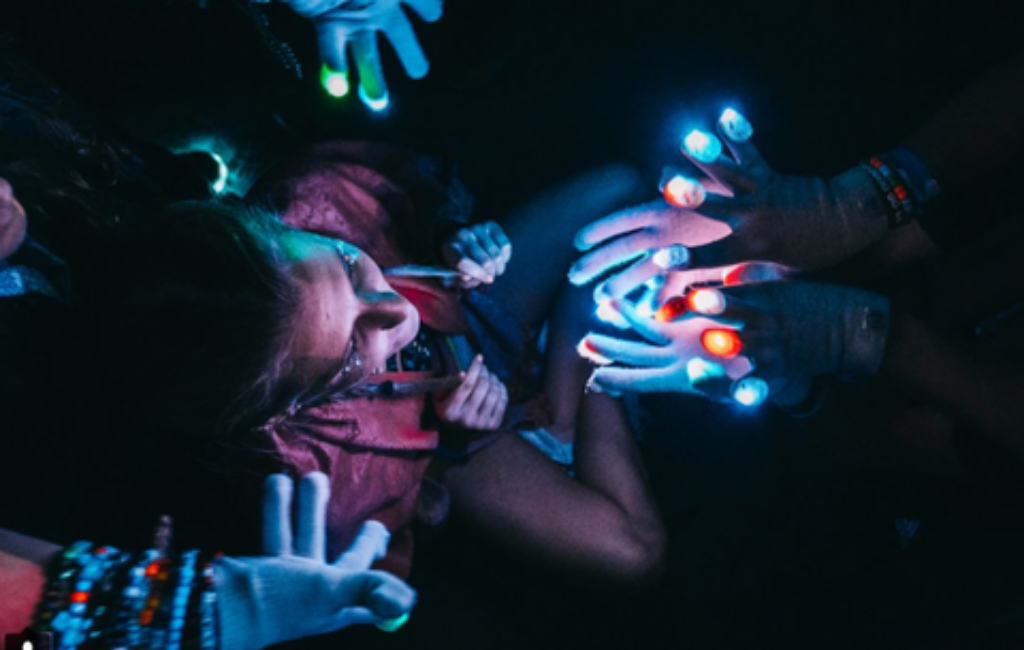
column 774, row 544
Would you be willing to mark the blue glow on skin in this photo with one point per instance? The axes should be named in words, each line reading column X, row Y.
column 221, row 183
column 703, row 147
column 698, row 369
column 735, row 125
column 379, row 104
column 750, row 391
column 608, row 314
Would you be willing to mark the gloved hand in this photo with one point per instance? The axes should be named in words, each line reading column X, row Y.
column 13, row 224
column 340, row 23
column 295, row 593
column 802, row 222
column 672, row 359
column 480, row 253
column 794, row 331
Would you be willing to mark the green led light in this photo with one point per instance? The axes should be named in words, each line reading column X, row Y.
column 392, row 624
column 335, row 83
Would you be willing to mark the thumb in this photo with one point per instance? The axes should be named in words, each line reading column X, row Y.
column 382, row 594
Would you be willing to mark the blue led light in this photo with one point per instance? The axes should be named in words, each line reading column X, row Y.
column 698, row 369
column 735, row 126
column 375, row 104
column 703, row 147
column 221, row 183
column 750, row 391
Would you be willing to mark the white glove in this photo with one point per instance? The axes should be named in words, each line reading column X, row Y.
column 294, row 594
column 340, row 23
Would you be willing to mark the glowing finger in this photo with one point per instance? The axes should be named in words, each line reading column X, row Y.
column 702, row 147
column 721, row 343
column 735, row 126
column 683, row 192
column 750, row 391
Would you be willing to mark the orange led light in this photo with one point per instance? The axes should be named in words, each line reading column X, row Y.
column 671, row 310
column 721, row 343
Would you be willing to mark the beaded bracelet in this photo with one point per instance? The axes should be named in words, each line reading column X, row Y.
column 98, row 598
column 905, row 182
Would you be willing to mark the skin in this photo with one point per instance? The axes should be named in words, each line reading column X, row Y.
column 12, row 221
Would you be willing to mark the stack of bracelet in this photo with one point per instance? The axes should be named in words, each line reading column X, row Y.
column 99, row 598
column 905, row 182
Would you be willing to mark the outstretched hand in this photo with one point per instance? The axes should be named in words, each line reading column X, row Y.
column 344, row 24
column 294, row 592
column 806, row 223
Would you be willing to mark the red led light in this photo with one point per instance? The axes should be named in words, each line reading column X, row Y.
column 671, row 310
column 152, row 569
column 79, row 596
column 721, row 343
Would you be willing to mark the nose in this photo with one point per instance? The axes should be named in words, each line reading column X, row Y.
column 386, row 310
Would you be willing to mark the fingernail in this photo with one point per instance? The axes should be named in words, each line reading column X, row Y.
column 376, row 104
column 672, row 258
column 735, row 126
column 683, row 192
column 703, row 147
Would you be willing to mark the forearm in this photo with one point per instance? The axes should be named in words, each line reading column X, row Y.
column 22, row 577
column 980, row 394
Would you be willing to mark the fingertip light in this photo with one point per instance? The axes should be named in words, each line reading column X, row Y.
column 335, row 83
column 750, row 391
column 608, row 314
column 672, row 257
column 706, row 301
column 703, row 147
column 721, row 343
column 683, row 192
column 737, row 127
column 586, row 350
column 221, row 184
column 698, row 369
column 671, row 310
column 374, row 104
column 393, row 624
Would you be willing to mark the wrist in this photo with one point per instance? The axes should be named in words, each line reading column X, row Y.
column 860, row 208
column 865, row 333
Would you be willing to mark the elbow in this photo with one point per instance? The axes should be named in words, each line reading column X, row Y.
column 638, row 559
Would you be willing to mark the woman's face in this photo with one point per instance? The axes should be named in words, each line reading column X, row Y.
column 12, row 221
column 350, row 320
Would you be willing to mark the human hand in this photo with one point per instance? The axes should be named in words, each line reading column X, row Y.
column 294, row 593
column 670, row 359
column 478, row 403
column 802, row 222
column 480, row 252
column 13, row 223
column 343, row 23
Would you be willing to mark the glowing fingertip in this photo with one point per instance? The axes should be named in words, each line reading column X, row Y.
column 671, row 310
column 376, row 104
column 586, row 350
column 683, row 192
column 392, row 624
column 672, row 257
column 607, row 313
column 698, row 369
column 721, row 343
column 704, row 147
column 335, row 83
column 750, row 391
column 735, row 125
column 706, row 301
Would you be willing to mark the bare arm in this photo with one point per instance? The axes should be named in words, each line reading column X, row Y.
column 601, row 524
column 21, row 577
column 984, row 395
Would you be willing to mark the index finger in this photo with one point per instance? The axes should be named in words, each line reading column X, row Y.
column 623, row 221
column 277, row 523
